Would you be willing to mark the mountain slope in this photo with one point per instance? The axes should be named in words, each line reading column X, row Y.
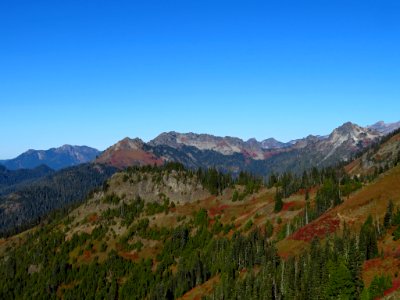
column 379, row 157
column 10, row 179
column 128, row 152
column 158, row 233
column 55, row 158
column 27, row 203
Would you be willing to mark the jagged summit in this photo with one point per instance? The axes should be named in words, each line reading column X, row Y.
column 352, row 132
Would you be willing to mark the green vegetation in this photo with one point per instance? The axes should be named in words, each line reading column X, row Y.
column 396, row 234
column 368, row 239
column 130, row 254
column 59, row 191
column 269, row 229
column 332, row 184
column 278, row 201
column 112, row 199
column 248, row 225
column 387, row 221
column 327, row 196
column 128, row 212
column 392, row 219
column 153, row 208
column 197, row 252
column 378, row 285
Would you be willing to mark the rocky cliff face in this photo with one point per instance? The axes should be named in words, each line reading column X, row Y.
column 152, row 187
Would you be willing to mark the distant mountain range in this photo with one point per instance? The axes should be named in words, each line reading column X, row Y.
column 233, row 154
column 225, row 153
column 55, row 158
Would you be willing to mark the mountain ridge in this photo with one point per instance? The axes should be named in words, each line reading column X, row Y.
column 234, row 154
column 55, row 158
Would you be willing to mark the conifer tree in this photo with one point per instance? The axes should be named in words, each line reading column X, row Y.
column 278, row 201
column 340, row 284
column 387, row 220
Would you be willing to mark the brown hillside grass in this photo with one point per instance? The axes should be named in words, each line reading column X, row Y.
column 373, row 198
column 201, row 290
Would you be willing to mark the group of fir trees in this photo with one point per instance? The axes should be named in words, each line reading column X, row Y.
column 332, row 185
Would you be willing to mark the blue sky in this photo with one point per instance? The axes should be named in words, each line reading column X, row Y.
column 93, row 72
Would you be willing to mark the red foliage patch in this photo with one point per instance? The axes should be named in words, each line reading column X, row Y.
column 217, row 210
column 243, row 271
column 372, row 264
column 395, row 287
column 122, row 158
column 318, row 228
column 271, row 153
column 304, row 191
column 249, row 154
column 131, row 256
column 87, row 254
column 287, row 205
column 284, row 255
column 93, row 218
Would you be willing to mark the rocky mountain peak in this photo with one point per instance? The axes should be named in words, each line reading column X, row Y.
column 253, row 143
column 165, row 138
column 272, row 143
column 385, row 128
column 347, row 128
column 347, row 139
column 350, row 131
column 129, row 144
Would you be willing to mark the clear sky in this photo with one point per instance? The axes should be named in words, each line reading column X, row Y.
column 92, row 72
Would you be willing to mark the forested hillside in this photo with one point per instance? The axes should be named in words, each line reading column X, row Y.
column 168, row 232
column 9, row 179
column 25, row 204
